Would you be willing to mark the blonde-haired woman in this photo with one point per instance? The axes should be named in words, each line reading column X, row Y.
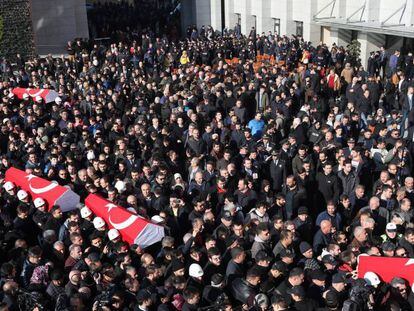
column 184, row 59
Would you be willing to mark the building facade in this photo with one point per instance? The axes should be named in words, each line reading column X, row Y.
column 374, row 23
column 57, row 22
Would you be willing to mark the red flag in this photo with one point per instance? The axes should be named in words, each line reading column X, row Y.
column 133, row 228
column 46, row 94
column 38, row 187
column 387, row 267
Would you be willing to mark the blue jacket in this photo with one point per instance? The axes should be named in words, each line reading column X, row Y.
column 335, row 220
column 256, row 127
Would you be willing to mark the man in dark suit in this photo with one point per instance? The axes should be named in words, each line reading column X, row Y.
column 373, row 64
column 407, row 104
column 295, row 196
column 380, row 214
column 262, row 99
column 403, row 85
column 277, row 171
column 353, row 90
column 383, row 59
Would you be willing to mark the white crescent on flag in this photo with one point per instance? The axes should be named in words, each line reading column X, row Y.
column 122, row 225
column 34, row 92
column 53, row 184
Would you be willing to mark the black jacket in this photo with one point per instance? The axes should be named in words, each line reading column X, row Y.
column 305, row 305
column 277, row 174
column 243, row 291
column 320, row 241
column 211, row 295
column 328, row 186
column 294, row 199
column 349, row 182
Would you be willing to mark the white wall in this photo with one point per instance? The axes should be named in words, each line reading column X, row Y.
column 229, row 13
column 215, row 11
column 388, row 7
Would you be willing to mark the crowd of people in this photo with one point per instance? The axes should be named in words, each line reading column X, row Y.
column 270, row 178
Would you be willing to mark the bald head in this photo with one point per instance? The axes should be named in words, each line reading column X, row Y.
column 10, row 287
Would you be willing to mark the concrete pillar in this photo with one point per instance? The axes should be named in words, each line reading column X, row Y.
column 230, row 14
column 337, row 35
column 247, row 19
column 311, row 30
column 333, row 36
column 215, row 11
column 369, row 42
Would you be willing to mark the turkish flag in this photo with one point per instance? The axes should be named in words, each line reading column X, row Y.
column 133, row 228
column 46, row 94
column 50, row 191
column 387, row 267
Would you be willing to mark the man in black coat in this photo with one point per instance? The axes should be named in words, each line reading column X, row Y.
column 317, row 287
column 212, row 293
column 277, row 171
column 196, row 144
column 364, row 102
column 300, row 301
column 374, row 91
column 353, row 90
column 328, row 185
column 407, row 241
column 348, row 178
column 373, row 64
column 295, row 197
column 244, row 290
column 296, row 278
column 407, row 103
column 33, row 260
column 322, row 237
column 380, row 214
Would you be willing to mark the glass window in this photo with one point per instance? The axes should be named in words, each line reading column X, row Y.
column 299, row 28
column 276, row 25
column 238, row 18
